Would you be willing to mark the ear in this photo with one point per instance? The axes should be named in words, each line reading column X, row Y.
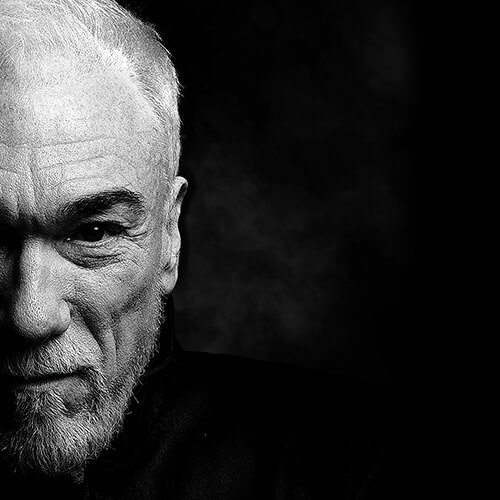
column 171, row 238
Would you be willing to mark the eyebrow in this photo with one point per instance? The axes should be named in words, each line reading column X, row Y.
column 99, row 203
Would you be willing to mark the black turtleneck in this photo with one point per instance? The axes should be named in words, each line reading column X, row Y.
column 204, row 426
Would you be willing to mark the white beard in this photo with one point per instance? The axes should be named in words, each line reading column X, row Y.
column 51, row 437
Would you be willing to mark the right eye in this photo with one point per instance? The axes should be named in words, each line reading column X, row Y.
column 95, row 233
column 89, row 233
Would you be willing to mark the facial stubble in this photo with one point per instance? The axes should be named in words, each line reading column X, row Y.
column 52, row 436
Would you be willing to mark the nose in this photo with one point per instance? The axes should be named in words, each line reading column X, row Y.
column 36, row 310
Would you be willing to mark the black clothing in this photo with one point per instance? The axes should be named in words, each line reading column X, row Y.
column 219, row 427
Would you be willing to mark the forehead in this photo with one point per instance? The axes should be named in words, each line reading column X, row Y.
column 80, row 132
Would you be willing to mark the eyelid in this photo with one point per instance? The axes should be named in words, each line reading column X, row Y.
column 105, row 223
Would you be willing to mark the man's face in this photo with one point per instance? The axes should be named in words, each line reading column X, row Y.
column 87, row 233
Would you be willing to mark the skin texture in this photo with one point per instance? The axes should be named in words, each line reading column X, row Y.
column 85, row 281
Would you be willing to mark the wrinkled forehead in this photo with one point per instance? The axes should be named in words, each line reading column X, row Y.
column 63, row 110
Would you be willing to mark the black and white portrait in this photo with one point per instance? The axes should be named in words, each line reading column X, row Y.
column 209, row 248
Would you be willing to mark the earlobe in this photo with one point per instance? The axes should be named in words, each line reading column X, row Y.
column 171, row 241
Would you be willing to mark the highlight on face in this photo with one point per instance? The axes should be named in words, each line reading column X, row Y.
column 89, row 238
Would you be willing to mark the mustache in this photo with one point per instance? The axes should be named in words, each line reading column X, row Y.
column 57, row 357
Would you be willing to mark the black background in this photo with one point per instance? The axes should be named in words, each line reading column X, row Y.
column 302, row 145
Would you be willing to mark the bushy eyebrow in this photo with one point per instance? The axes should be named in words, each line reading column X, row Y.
column 102, row 202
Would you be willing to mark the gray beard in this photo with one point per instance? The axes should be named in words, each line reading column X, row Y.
column 53, row 438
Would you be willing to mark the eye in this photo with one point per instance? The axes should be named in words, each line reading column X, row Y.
column 93, row 232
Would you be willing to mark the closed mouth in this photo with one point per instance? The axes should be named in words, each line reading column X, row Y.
column 37, row 380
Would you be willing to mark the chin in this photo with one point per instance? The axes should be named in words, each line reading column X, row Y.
column 52, row 436
column 55, row 428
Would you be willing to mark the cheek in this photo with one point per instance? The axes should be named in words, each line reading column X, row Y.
column 117, row 306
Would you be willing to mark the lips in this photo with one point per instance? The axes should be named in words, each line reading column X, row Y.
column 37, row 380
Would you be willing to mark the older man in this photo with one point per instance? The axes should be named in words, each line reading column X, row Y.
column 98, row 400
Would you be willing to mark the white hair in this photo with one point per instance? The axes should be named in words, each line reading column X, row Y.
column 97, row 31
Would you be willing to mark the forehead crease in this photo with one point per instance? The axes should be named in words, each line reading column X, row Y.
column 45, row 154
column 39, row 144
column 50, row 156
column 70, row 153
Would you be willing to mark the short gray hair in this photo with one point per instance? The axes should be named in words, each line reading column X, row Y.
column 108, row 33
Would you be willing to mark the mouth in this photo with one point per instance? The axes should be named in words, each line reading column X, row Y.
column 38, row 381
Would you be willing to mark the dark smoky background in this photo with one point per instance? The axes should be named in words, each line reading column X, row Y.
column 301, row 144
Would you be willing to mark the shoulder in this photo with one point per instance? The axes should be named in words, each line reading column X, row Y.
column 298, row 423
column 283, row 388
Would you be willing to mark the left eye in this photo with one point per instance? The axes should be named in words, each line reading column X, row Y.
column 91, row 233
